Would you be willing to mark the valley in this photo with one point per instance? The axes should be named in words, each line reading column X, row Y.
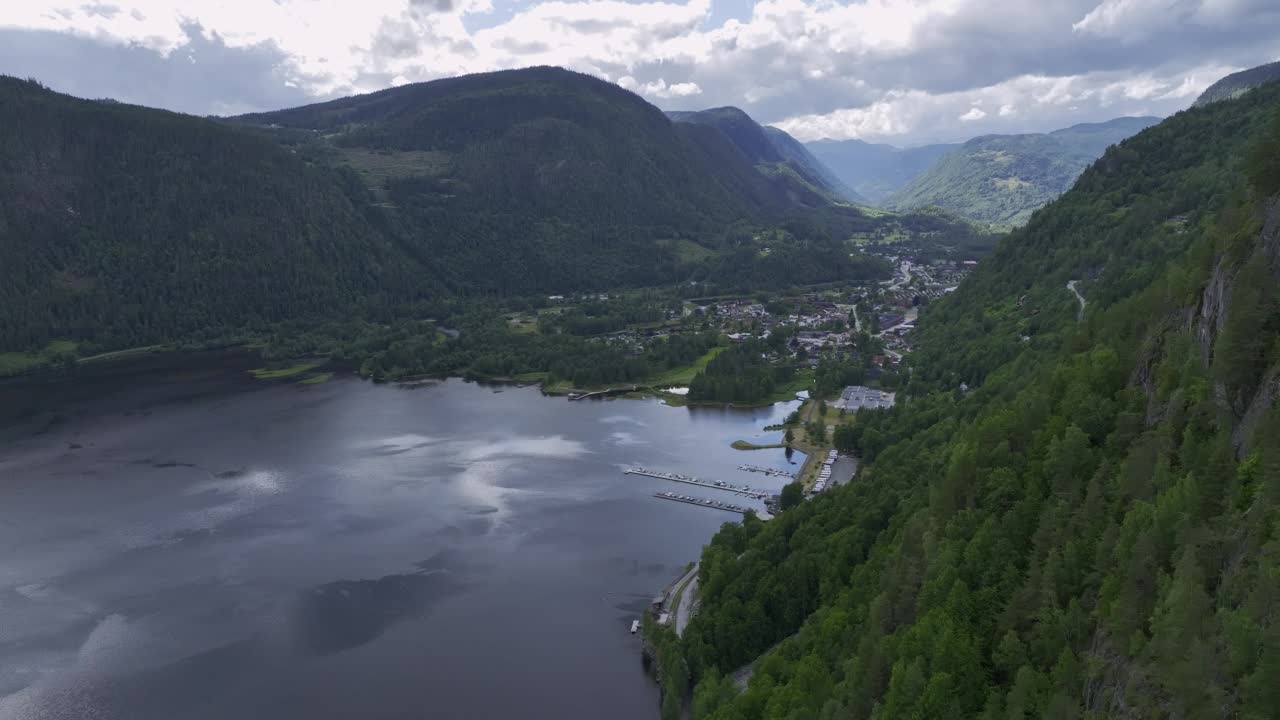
column 366, row 407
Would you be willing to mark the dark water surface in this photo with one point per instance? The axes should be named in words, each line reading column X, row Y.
column 186, row 544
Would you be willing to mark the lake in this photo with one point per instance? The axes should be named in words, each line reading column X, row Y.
column 190, row 543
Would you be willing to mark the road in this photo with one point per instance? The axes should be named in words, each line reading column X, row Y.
column 688, row 598
column 1072, row 287
column 906, row 271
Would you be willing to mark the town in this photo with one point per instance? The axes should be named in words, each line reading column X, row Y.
column 870, row 324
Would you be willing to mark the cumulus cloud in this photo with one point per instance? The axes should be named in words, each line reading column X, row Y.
column 901, row 70
column 659, row 88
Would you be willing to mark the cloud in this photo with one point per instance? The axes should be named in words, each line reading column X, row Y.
column 974, row 113
column 881, row 69
column 659, row 88
column 203, row 75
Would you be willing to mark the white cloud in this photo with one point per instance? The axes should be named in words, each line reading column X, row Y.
column 1029, row 103
column 659, row 88
column 904, row 69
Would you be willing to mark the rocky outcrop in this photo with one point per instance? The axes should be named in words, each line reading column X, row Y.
column 1204, row 322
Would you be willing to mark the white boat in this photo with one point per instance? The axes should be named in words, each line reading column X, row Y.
column 635, row 625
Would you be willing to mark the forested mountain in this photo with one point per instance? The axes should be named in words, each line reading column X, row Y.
column 873, row 170
column 772, row 151
column 1090, row 527
column 123, row 226
column 795, row 152
column 1002, row 179
column 1239, row 83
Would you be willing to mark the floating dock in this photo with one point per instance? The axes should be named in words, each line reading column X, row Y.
column 717, row 485
column 702, row 502
column 769, row 472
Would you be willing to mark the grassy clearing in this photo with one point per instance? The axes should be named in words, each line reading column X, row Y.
column 684, row 376
column 13, row 363
column 379, row 165
column 317, row 379
column 686, row 251
column 283, row 372
column 745, row 445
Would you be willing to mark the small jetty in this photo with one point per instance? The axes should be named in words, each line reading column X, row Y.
column 767, row 472
column 702, row 502
column 689, row 479
column 603, row 393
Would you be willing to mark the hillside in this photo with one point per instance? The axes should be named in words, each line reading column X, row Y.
column 796, row 153
column 1093, row 528
column 537, row 179
column 773, row 152
column 1239, row 83
column 876, row 171
column 123, row 226
column 1002, row 179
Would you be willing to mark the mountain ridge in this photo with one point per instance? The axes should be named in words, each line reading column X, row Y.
column 770, row 149
column 1002, row 179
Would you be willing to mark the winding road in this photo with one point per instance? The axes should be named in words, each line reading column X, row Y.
column 688, row 598
column 1071, row 285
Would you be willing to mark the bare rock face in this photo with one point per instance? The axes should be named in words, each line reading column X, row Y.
column 1205, row 322
column 1268, row 391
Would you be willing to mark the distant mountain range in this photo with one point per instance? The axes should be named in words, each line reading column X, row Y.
column 1238, row 83
column 772, row 151
column 874, row 170
column 997, row 179
column 1002, row 179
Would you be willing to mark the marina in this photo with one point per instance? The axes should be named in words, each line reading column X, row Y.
column 768, row 472
column 702, row 502
column 824, row 474
column 716, row 485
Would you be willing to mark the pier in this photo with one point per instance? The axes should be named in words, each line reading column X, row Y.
column 717, row 485
column 702, row 502
column 768, row 472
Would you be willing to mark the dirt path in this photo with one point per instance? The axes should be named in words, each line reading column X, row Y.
column 1072, row 287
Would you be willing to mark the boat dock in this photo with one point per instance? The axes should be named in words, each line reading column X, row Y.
column 768, row 472
column 717, row 485
column 702, row 502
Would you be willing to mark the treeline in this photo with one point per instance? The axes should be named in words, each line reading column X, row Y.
column 742, row 373
column 122, row 226
column 485, row 349
column 1091, row 531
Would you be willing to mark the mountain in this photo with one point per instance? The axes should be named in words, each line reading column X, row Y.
column 772, row 151
column 1067, row 514
column 1239, row 83
column 876, row 171
column 123, row 226
column 796, row 153
column 1002, row 179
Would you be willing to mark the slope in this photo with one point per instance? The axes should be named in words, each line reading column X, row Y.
column 771, row 151
column 1239, row 83
column 123, row 226
column 1002, row 179
column 538, row 179
column 876, row 171
column 797, row 154
column 1094, row 531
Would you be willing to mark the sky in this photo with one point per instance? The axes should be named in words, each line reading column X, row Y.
column 905, row 72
